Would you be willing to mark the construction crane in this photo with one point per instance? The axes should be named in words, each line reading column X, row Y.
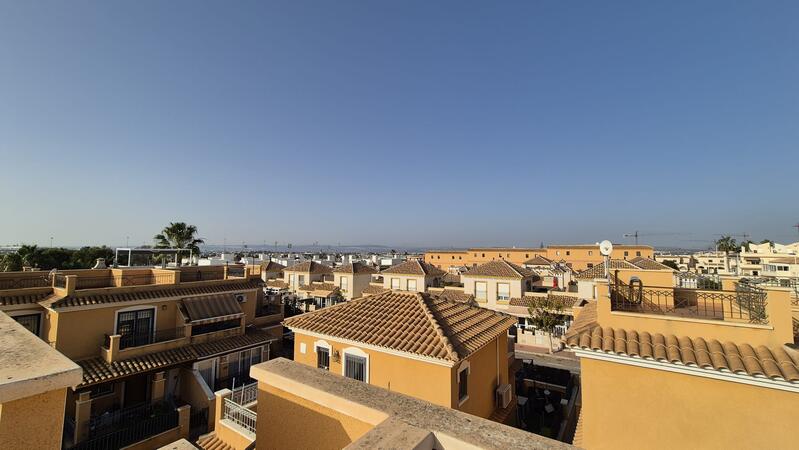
column 637, row 234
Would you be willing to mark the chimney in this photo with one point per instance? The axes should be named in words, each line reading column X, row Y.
column 100, row 264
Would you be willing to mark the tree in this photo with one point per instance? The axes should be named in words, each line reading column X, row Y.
column 30, row 254
column 726, row 244
column 11, row 262
column 179, row 235
column 671, row 264
column 545, row 314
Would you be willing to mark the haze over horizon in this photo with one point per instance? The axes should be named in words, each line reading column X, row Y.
column 417, row 124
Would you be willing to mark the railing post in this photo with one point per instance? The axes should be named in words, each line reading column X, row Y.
column 219, row 404
column 112, row 352
column 159, row 383
column 224, row 272
column 83, row 412
column 184, row 416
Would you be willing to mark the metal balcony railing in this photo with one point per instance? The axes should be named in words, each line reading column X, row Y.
column 746, row 304
column 268, row 309
column 147, row 338
column 22, row 283
column 130, row 425
column 690, row 280
column 241, row 416
column 235, row 271
column 245, row 394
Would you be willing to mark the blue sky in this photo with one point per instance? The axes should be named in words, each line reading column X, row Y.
column 399, row 123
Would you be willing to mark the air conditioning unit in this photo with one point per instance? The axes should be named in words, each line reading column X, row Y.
column 504, row 395
column 241, row 298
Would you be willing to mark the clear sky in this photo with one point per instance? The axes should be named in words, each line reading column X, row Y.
column 427, row 123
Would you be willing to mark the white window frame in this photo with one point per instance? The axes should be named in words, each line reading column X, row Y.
column 408, row 284
column 465, row 366
column 321, row 343
column 291, row 279
column 485, row 291
column 354, row 351
column 344, row 283
column 398, row 283
column 500, row 297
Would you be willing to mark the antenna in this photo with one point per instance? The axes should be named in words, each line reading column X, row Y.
column 606, row 248
column 629, row 235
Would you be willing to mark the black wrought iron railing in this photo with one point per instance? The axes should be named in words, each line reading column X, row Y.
column 268, row 309
column 128, row 426
column 139, row 339
column 201, row 275
column 788, row 283
column 22, row 283
column 60, row 281
column 197, row 330
column 747, row 305
column 690, row 280
column 235, row 271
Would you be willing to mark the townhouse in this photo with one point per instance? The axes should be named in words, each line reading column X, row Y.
column 443, row 351
column 577, row 256
column 351, row 279
column 152, row 344
column 414, row 275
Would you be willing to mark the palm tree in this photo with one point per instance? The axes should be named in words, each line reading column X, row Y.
column 30, row 255
column 726, row 244
column 179, row 235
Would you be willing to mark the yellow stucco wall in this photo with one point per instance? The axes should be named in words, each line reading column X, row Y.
column 486, row 365
column 632, row 407
column 33, row 422
column 579, row 256
column 395, row 373
column 301, row 424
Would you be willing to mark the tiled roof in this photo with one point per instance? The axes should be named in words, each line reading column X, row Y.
column 415, row 267
column 500, row 269
column 538, row 261
column 355, row 268
column 308, row 266
column 317, row 289
column 113, row 295
column 272, row 266
column 451, row 278
column 416, row 323
column 372, row 289
column 598, row 271
column 742, row 359
column 567, row 301
column 18, row 298
column 455, row 296
column 277, row 284
column 649, row 264
column 97, row 370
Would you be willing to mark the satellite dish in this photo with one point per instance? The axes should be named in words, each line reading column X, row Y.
column 605, row 247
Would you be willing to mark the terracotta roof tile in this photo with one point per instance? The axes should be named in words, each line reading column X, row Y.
column 538, row 261
column 372, row 289
column 774, row 363
column 97, row 370
column 649, row 264
column 415, row 267
column 24, row 298
column 126, row 294
column 415, row 323
column 455, row 296
column 355, row 268
column 272, row 266
column 598, row 271
column 500, row 269
column 310, row 267
column 567, row 301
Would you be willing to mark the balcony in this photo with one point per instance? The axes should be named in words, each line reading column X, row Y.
column 118, row 346
column 747, row 304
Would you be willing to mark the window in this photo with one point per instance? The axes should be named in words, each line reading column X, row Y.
column 590, row 252
column 395, row 283
column 557, row 252
column 590, row 265
column 323, row 358
column 480, row 290
column 411, row 285
column 453, row 256
column 301, row 279
column 568, row 252
column 503, row 291
column 30, row 322
column 135, row 327
column 484, row 255
column 343, row 283
column 626, row 254
column 637, row 253
column 463, row 383
column 356, row 364
column 291, row 279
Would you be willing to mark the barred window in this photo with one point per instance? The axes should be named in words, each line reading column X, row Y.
column 323, row 358
column 355, row 367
